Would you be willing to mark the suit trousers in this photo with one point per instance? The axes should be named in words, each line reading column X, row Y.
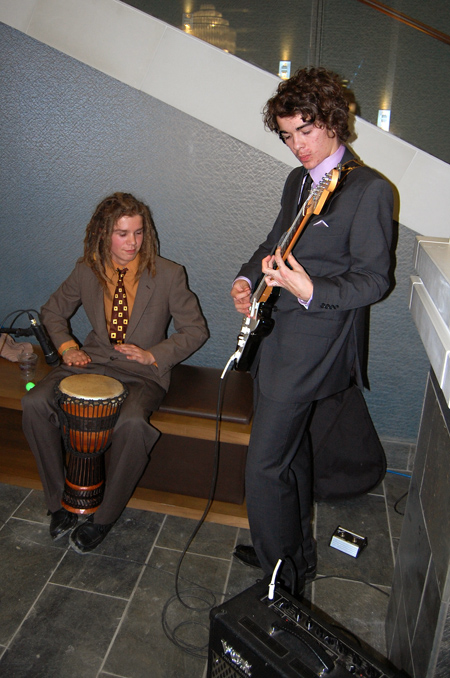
column 278, row 484
column 132, row 440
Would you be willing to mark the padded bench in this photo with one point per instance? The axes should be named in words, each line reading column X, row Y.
column 182, row 460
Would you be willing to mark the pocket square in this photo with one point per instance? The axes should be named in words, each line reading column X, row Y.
column 321, row 222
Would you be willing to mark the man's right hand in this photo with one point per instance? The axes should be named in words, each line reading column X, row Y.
column 75, row 356
column 241, row 294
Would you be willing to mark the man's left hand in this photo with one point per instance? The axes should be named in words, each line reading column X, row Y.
column 294, row 279
column 135, row 353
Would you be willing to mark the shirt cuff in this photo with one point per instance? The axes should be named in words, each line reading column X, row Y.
column 242, row 277
column 305, row 303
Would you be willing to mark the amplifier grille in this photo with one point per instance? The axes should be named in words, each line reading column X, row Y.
column 220, row 668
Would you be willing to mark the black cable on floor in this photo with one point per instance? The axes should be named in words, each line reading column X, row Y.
column 405, row 494
column 356, row 581
column 198, row 592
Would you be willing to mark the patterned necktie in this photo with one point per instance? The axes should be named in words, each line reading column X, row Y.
column 119, row 315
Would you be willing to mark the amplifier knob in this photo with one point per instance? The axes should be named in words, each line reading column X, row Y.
column 356, row 659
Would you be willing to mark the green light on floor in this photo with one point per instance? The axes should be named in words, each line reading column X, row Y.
column 29, row 385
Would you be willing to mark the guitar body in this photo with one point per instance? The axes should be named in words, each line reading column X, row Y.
column 254, row 329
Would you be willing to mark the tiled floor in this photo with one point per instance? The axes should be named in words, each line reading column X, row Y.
column 110, row 613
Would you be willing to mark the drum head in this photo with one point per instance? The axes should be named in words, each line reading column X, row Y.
column 91, row 386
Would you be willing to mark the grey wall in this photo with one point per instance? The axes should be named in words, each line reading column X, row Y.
column 71, row 135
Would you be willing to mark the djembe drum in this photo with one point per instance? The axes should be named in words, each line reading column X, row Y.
column 89, row 406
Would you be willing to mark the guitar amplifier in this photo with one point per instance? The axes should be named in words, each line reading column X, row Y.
column 254, row 637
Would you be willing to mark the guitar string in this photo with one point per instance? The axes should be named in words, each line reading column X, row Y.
column 286, row 238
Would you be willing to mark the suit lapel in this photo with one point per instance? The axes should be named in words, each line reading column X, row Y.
column 295, row 194
column 145, row 290
column 94, row 306
column 99, row 313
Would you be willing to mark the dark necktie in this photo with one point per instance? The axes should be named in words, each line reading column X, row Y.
column 119, row 315
column 305, row 190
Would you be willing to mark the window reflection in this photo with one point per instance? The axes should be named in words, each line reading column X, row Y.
column 210, row 26
column 389, row 61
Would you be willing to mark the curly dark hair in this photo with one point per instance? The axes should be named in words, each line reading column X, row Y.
column 317, row 95
column 97, row 241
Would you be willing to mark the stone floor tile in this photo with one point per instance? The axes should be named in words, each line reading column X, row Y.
column 213, row 540
column 10, row 498
column 25, row 566
column 67, row 633
column 33, row 508
column 365, row 516
column 398, row 454
column 98, row 574
column 241, row 578
column 35, row 533
column 142, row 647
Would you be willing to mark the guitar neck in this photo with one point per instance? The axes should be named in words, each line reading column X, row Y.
column 312, row 205
column 286, row 245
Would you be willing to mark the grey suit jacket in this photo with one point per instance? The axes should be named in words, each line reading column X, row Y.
column 311, row 353
column 158, row 300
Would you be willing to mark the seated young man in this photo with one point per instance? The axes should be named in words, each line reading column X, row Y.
column 120, row 253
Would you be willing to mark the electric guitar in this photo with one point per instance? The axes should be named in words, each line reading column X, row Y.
column 259, row 323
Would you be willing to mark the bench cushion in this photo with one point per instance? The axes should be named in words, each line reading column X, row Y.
column 202, row 385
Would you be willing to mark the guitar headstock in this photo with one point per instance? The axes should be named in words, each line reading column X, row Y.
column 318, row 196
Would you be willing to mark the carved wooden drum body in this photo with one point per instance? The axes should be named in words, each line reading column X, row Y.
column 89, row 406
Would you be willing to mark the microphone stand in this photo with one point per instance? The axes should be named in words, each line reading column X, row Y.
column 50, row 354
column 17, row 331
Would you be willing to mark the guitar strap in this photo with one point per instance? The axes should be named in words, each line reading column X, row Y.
column 345, row 170
column 347, row 167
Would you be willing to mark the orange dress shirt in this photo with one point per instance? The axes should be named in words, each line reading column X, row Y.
column 131, row 285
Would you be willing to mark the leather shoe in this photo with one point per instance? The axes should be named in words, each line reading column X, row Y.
column 88, row 536
column 247, row 555
column 311, row 572
column 61, row 523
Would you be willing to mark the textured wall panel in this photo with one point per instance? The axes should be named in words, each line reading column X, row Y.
column 71, row 135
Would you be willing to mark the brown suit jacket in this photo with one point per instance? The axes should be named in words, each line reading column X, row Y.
column 159, row 299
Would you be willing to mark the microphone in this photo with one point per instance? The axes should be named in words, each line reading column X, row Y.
column 50, row 353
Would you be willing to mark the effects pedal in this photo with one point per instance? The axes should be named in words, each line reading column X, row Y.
column 348, row 542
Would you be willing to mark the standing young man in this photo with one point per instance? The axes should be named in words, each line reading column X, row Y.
column 120, row 245
column 339, row 266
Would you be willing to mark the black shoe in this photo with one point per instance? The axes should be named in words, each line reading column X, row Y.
column 311, row 572
column 247, row 555
column 88, row 536
column 61, row 523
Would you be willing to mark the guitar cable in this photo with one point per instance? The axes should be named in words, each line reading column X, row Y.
column 205, row 596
